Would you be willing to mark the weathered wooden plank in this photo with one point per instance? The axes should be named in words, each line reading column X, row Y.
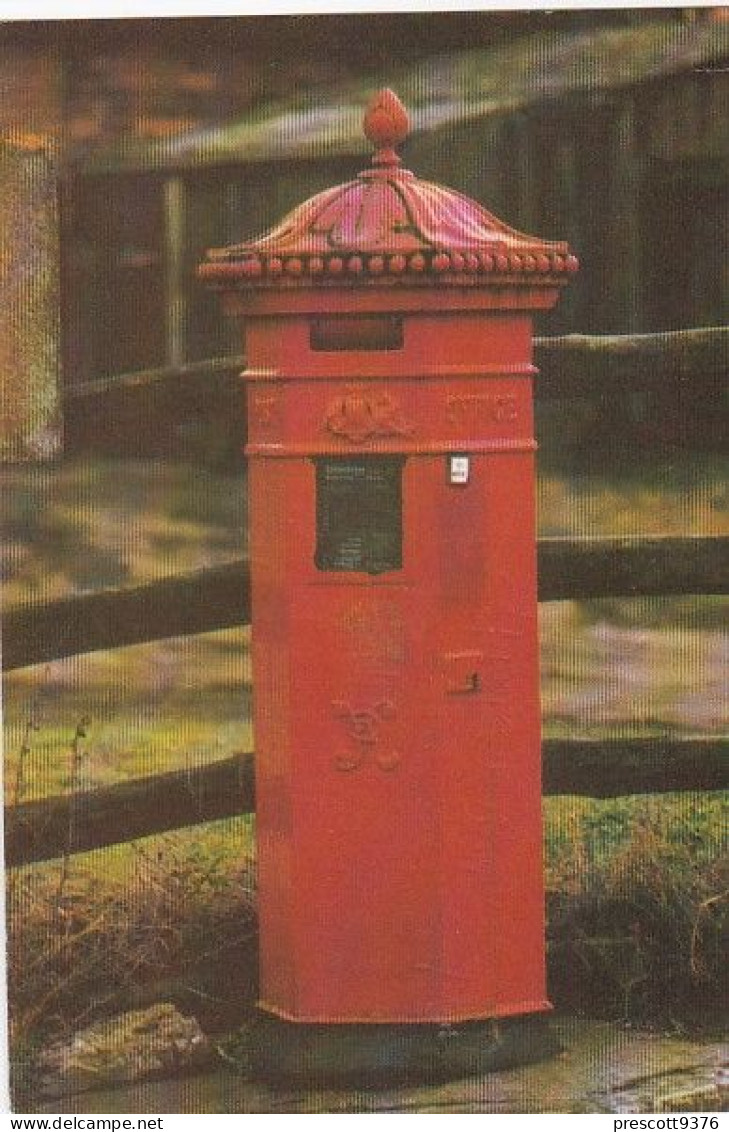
column 38, row 830
column 199, row 602
column 621, row 245
column 195, row 412
column 575, row 569
column 174, row 196
column 219, row 597
column 570, row 365
column 585, row 365
column 603, row 768
column 202, row 371
column 609, row 768
column 198, row 410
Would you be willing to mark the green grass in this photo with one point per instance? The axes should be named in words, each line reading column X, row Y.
column 638, row 906
column 167, row 916
column 87, row 933
column 656, row 497
column 148, row 708
column 609, row 667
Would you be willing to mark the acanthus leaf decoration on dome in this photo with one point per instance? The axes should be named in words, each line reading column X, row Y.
column 388, row 222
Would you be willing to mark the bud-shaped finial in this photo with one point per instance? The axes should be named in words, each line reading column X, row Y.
column 386, row 124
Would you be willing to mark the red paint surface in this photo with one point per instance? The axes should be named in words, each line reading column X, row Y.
column 397, row 723
column 409, row 886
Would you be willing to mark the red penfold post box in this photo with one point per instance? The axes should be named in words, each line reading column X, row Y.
column 388, row 329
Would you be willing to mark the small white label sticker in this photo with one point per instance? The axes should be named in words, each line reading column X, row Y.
column 460, row 467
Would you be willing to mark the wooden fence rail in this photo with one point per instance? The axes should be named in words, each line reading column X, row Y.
column 219, row 597
column 597, row 768
column 197, row 410
column 589, row 364
column 198, row 602
column 569, row 365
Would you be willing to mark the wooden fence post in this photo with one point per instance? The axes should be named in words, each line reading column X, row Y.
column 30, row 394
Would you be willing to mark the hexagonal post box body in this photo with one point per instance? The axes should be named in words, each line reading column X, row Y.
column 396, row 698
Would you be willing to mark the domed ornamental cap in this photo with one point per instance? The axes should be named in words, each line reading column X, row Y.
column 389, row 226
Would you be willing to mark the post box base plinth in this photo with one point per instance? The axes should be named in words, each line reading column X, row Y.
column 317, row 1053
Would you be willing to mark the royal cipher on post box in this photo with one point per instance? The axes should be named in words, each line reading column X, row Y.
column 388, row 339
